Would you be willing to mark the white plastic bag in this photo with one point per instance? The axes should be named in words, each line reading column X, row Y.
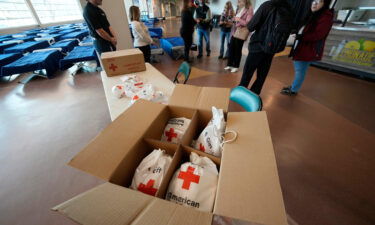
column 211, row 138
column 175, row 129
column 150, row 172
column 194, row 184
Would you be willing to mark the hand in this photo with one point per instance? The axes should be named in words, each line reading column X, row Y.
column 114, row 41
column 198, row 20
column 237, row 19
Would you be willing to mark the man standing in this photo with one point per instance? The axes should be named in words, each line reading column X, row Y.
column 104, row 36
column 272, row 25
column 202, row 16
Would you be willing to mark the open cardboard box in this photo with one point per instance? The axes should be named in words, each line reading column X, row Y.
column 248, row 189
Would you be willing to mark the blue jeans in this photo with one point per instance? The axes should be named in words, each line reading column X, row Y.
column 223, row 36
column 206, row 34
column 300, row 68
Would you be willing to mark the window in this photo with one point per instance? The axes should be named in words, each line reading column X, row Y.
column 51, row 11
column 15, row 13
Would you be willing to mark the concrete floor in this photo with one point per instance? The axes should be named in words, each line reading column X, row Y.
column 323, row 138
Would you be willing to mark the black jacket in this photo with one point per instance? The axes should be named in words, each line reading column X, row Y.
column 257, row 23
column 187, row 21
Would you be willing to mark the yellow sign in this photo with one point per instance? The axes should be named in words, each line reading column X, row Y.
column 356, row 52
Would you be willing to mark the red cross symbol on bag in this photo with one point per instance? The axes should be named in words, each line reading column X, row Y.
column 148, row 188
column 201, row 147
column 113, row 67
column 188, row 177
column 170, row 134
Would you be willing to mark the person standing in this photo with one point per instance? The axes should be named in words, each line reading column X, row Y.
column 240, row 33
column 309, row 45
column 272, row 26
column 226, row 23
column 104, row 36
column 142, row 38
column 187, row 27
column 202, row 16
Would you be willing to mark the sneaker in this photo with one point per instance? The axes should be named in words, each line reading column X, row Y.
column 209, row 53
column 234, row 70
column 220, row 57
column 228, row 68
column 199, row 56
column 288, row 91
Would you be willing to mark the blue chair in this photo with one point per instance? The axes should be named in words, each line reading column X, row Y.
column 250, row 101
column 185, row 70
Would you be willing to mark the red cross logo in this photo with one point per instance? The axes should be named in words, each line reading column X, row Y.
column 119, row 87
column 170, row 134
column 148, row 188
column 113, row 67
column 188, row 177
column 201, row 147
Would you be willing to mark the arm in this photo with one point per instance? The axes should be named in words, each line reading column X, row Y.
column 142, row 33
column 258, row 17
column 103, row 34
column 114, row 34
column 243, row 22
column 320, row 32
column 209, row 16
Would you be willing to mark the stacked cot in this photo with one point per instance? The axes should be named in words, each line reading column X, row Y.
column 45, row 50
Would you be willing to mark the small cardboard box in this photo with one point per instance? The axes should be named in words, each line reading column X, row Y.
column 248, row 191
column 123, row 62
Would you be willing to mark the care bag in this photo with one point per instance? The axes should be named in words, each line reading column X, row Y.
column 175, row 129
column 150, row 172
column 194, row 184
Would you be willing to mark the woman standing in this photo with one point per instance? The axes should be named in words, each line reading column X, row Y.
column 226, row 22
column 187, row 27
column 142, row 38
column 244, row 13
column 310, row 44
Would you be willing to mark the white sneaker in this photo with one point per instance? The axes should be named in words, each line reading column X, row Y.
column 228, row 68
column 233, row 70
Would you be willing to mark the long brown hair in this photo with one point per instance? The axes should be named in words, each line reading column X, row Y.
column 247, row 4
column 134, row 13
column 228, row 9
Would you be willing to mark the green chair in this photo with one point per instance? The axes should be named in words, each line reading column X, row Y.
column 184, row 70
column 250, row 101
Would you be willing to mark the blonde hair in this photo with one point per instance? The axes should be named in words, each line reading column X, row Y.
column 134, row 13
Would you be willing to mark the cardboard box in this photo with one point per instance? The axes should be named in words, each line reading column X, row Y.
column 248, row 189
column 123, row 62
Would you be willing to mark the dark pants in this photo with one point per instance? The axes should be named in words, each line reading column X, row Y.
column 235, row 52
column 103, row 46
column 146, row 52
column 261, row 62
column 188, row 41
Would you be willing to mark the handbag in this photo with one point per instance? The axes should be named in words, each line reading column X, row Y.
column 241, row 33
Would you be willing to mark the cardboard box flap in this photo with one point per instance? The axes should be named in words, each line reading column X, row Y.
column 202, row 98
column 250, row 160
column 106, row 204
column 109, row 204
column 105, row 153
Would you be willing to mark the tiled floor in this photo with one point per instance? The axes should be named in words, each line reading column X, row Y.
column 323, row 138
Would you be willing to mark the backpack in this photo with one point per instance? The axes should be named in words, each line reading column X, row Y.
column 278, row 28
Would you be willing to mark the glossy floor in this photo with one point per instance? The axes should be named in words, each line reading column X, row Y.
column 323, row 138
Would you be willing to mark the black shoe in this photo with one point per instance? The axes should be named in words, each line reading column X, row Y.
column 220, row 57
column 225, row 57
column 199, row 56
column 288, row 91
column 208, row 53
